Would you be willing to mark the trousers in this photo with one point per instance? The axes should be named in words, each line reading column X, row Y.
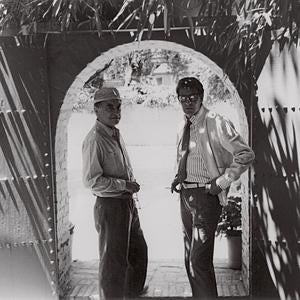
column 200, row 213
column 123, row 253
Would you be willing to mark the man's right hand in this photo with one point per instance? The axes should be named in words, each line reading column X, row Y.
column 132, row 186
column 213, row 188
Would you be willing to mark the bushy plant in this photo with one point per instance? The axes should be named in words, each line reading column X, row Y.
column 149, row 95
column 231, row 218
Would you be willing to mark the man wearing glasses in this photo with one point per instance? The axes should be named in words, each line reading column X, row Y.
column 107, row 172
column 210, row 156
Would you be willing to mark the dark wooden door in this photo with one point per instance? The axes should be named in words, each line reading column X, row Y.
column 27, row 215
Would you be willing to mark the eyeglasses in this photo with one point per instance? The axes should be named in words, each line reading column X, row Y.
column 190, row 98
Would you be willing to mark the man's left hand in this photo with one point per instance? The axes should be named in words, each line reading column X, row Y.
column 212, row 187
column 174, row 185
column 132, row 186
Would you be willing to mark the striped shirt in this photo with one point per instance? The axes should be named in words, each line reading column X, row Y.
column 196, row 169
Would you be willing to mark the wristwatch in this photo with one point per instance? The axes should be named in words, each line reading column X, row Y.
column 228, row 178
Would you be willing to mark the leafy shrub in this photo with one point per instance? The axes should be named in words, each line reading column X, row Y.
column 231, row 219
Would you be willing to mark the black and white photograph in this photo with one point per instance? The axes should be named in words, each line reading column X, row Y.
column 149, row 149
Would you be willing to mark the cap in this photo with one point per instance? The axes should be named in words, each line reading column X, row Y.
column 105, row 94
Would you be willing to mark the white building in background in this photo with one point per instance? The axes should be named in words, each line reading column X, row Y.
column 163, row 75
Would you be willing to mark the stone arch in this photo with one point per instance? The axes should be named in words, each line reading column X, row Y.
column 211, row 69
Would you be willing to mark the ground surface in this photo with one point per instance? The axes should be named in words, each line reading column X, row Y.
column 164, row 279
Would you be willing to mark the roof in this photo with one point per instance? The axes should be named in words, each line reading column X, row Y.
column 162, row 69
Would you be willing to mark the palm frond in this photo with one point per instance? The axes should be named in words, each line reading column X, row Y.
column 230, row 24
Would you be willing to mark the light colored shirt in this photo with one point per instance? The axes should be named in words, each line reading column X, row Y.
column 196, row 169
column 225, row 154
column 106, row 164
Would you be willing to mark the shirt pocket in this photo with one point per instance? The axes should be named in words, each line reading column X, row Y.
column 110, row 153
column 111, row 161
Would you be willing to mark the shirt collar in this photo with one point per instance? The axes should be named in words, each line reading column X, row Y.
column 104, row 128
column 196, row 117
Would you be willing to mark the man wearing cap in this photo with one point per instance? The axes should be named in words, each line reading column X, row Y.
column 107, row 172
column 210, row 156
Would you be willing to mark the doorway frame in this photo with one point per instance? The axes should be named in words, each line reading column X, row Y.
column 64, row 235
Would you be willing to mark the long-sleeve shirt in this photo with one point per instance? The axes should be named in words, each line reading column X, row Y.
column 224, row 152
column 106, row 164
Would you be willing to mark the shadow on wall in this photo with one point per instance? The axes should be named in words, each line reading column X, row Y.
column 276, row 194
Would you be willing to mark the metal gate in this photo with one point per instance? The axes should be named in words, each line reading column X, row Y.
column 27, row 215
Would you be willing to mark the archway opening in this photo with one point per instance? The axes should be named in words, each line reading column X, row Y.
column 149, row 129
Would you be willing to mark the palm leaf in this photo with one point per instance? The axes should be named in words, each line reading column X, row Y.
column 192, row 30
column 166, row 19
column 246, row 32
column 56, row 6
column 121, row 11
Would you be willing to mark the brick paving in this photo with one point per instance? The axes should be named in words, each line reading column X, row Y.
column 165, row 279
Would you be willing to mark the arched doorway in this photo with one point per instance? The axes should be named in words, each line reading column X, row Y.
column 229, row 104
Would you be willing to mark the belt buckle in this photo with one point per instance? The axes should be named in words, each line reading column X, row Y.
column 190, row 185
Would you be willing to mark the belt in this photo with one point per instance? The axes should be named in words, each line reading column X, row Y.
column 192, row 185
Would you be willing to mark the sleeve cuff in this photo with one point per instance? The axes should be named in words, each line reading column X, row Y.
column 224, row 181
column 121, row 184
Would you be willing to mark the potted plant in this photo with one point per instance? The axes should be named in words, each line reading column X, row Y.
column 230, row 225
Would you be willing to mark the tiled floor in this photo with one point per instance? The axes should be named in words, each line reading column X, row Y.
column 164, row 279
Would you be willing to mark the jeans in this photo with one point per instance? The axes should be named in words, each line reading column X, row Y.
column 200, row 213
column 123, row 256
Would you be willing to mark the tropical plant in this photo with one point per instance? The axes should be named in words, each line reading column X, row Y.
column 236, row 29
